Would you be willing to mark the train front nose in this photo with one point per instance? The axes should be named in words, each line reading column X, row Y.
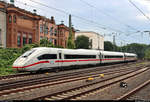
column 19, row 64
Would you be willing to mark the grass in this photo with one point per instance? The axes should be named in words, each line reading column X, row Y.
column 7, row 71
column 142, row 63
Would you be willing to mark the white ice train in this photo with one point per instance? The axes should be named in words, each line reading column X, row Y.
column 43, row 58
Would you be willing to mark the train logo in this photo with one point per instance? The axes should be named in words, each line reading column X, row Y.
column 51, row 62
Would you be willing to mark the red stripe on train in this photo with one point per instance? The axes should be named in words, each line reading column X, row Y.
column 68, row 61
column 32, row 64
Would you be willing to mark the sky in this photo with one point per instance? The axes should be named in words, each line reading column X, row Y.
column 106, row 17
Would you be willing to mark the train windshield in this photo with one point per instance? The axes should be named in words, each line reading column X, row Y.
column 28, row 53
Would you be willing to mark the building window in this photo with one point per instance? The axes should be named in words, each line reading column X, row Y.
column 24, row 41
column 51, row 31
column 55, row 32
column 61, row 33
column 10, row 18
column 14, row 18
column 55, row 41
column 46, row 30
column 0, row 37
column 51, row 40
column 41, row 37
column 91, row 42
column 19, row 40
column 30, row 40
column 41, row 28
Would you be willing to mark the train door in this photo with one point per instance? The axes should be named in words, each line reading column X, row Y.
column 60, row 62
column 124, row 57
column 100, row 57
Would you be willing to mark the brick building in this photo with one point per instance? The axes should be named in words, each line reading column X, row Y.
column 63, row 35
column 2, row 24
column 22, row 27
column 48, row 29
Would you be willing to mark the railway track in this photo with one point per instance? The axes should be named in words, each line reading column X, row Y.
column 14, row 75
column 81, row 91
column 55, row 82
column 27, row 74
column 52, row 78
column 134, row 91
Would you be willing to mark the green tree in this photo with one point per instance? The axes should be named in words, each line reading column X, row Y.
column 82, row 42
column 136, row 48
column 45, row 43
column 108, row 46
column 147, row 54
column 29, row 46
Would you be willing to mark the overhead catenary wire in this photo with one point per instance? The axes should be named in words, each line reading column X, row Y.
column 81, row 18
column 139, row 10
column 45, row 10
column 106, row 14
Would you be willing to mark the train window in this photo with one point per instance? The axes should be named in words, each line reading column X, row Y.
column 79, row 56
column 130, row 56
column 47, row 56
column 28, row 53
column 108, row 56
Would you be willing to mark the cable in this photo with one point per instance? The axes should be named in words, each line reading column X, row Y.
column 100, row 25
column 107, row 15
column 139, row 10
column 83, row 19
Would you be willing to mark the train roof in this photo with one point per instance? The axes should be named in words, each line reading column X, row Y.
column 70, row 51
column 130, row 54
column 84, row 51
column 112, row 53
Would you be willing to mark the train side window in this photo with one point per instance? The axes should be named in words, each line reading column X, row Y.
column 28, row 53
column 47, row 56
column 79, row 56
column 107, row 56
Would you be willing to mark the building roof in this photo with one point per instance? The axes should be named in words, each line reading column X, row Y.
column 8, row 5
column 89, row 32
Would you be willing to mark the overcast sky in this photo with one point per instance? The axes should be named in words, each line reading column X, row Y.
column 102, row 16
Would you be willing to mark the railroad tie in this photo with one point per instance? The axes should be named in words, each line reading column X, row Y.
column 78, row 98
column 76, row 91
column 49, row 99
column 71, row 93
column 62, row 96
column 65, row 94
column 56, row 98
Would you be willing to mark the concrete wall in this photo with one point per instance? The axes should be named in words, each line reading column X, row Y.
column 97, row 39
column 3, row 28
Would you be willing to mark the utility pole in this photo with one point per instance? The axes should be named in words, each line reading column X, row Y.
column 114, row 43
column 121, row 47
column 114, row 40
column 98, row 41
column 70, row 26
column 70, row 43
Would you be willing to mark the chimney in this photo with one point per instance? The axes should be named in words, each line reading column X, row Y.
column 52, row 20
column 12, row 2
